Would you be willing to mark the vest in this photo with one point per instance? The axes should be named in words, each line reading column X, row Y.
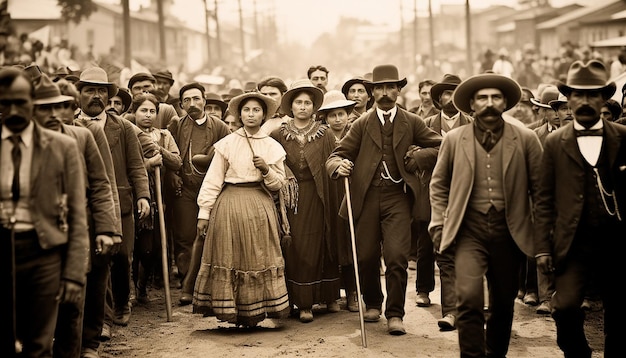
column 488, row 187
column 389, row 160
column 594, row 211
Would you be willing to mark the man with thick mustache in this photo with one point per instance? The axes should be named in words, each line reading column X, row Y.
column 132, row 186
column 480, row 192
column 43, row 223
column 375, row 155
column 195, row 135
column 580, row 212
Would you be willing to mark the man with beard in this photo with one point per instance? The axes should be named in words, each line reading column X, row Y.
column 354, row 89
column 580, row 212
column 43, row 223
column 318, row 76
column 481, row 190
column 195, row 135
column 146, row 83
column 48, row 112
column 446, row 120
column 120, row 103
column 375, row 154
column 427, row 107
column 132, row 183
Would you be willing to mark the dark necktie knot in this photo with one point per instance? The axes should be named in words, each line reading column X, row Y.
column 16, row 139
column 387, row 118
column 489, row 138
column 588, row 132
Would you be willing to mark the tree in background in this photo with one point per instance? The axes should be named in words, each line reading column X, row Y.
column 76, row 10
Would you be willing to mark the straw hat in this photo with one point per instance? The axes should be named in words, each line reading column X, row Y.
column 334, row 99
column 96, row 76
column 270, row 103
column 303, row 85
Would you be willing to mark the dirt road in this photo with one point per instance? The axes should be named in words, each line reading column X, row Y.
column 329, row 335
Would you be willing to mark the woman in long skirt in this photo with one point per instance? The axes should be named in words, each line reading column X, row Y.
column 242, row 275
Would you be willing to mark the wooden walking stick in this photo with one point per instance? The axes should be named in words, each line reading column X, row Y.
column 356, row 262
column 164, row 256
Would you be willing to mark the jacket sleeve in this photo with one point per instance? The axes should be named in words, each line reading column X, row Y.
column 170, row 152
column 135, row 169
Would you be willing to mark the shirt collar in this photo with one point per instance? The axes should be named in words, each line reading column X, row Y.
column 101, row 116
column 453, row 118
column 392, row 113
column 26, row 134
column 201, row 120
column 577, row 126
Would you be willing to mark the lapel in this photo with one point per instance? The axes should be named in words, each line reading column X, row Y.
column 112, row 130
column 468, row 147
column 436, row 123
column 570, row 145
column 40, row 144
column 509, row 146
column 400, row 127
column 372, row 127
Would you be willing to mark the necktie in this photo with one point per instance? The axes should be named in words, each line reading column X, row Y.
column 16, row 155
column 588, row 132
column 386, row 117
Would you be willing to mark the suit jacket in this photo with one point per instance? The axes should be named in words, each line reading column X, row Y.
column 57, row 200
column 99, row 193
column 453, row 179
column 560, row 202
column 542, row 132
column 130, row 174
column 363, row 146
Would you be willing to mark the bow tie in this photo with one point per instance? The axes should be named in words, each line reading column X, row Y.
column 588, row 132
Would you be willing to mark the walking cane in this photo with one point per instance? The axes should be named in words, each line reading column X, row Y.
column 164, row 257
column 354, row 258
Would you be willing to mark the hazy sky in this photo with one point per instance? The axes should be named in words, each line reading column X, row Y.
column 304, row 20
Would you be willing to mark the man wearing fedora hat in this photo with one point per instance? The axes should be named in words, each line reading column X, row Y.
column 195, row 134
column 374, row 155
column 49, row 104
column 580, row 211
column 43, row 222
column 163, row 85
column 131, row 179
column 480, row 193
column 447, row 119
column 355, row 90
column 120, row 103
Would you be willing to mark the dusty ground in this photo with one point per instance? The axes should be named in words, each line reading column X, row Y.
column 188, row 335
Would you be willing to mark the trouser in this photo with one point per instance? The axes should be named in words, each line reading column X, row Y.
column 386, row 218
column 425, row 258
column 69, row 329
column 93, row 317
column 447, row 278
column 185, row 213
column 121, row 264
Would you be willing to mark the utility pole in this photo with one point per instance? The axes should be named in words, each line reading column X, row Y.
column 241, row 35
column 162, row 48
column 414, row 35
column 207, row 17
column 218, row 37
column 256, row 26
column 126, row 27
column 468, row 38
column 401, row 36
column 431, row 31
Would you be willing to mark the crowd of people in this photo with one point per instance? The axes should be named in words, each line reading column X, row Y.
column 512, row 190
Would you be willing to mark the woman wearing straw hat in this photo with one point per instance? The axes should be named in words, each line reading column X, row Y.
column 312, row 269
column 241, row 278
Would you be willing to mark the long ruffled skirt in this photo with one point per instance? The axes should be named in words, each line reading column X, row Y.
column 242, row 274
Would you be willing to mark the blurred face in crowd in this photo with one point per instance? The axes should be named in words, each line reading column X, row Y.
column 564, row 114
column 319, row 79
column 51, row 115
column 272, row 92
column 488, row 105
column 145, row 115
column 424, row 94
column 115, row 105
column 523, row 112
column 549, row 115
column 252, row 114
column 214, row 109
column 386, row 95
column 163, row 87
column 586, row 105
column 445, row 100
column 358, row 93
column 93, row 99
column 337, row 119
column 605, row 113
column 232, row 122
column 193, row 103
column 139, row 87
column 302, row 106
column 16, row 104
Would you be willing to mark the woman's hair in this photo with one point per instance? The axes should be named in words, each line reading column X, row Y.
column 262, row 102
column 141, row 98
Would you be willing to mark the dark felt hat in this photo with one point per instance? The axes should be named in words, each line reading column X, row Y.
column 386, row 74
column 449, row 83
column 47, row 92
column 466, row 90
column 346, row 86
column 587, row 76
column 164, row 74
column 215, row 98
column 233, row 92
column 141, row 76
column 124, row 94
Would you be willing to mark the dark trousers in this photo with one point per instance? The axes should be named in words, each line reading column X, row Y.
column 121, row 264
column 386, row 218
column 595, row 255
column 37, row 282
column 447, row 278
column 185, row 213
column 69, row 329
column 97, row 283
column 425, row 257
column 485, row 248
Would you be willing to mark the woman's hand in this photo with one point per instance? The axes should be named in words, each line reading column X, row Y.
column 260, row 164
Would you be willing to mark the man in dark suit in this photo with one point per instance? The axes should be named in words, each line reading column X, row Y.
column 581, row 201
column 480, row 192
column 132, row 185
column 45, row 243
column 384, row 188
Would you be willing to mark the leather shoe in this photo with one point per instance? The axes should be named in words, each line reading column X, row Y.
column 447, row 323
column 185, row 299
column 122, row 316
column 531, row 299
column 422, row 299
column 353, row 301
column 371, row 315
column 544, row 308
column 105, row 335
column 306, row 316
column 333, row 307
column 89, row 353
column 395, row 327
